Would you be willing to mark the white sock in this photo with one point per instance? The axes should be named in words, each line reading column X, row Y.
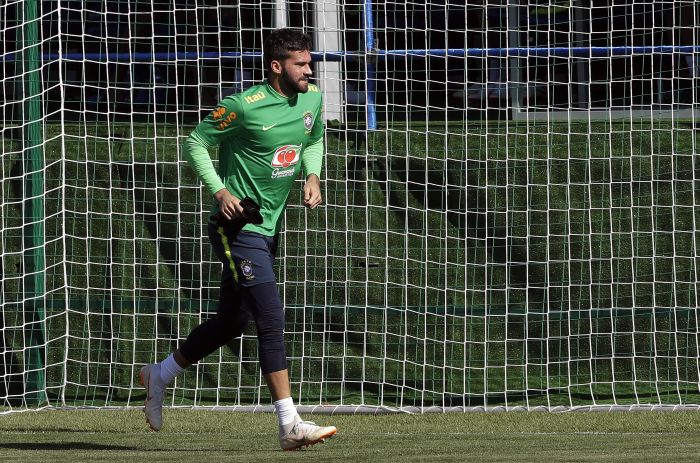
column 169, row 369
column 286, row 411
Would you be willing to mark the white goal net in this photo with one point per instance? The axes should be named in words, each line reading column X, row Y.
column 510, row 215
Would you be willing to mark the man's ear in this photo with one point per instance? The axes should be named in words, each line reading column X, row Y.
column 276, row 66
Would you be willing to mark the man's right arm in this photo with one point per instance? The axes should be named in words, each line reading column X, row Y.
column 196, row 152
column 197, row 155
column 217, row 126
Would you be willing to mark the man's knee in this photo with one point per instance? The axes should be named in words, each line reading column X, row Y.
column 271, row 330
column 214, row 333
column 267, row 309
column 271, row 350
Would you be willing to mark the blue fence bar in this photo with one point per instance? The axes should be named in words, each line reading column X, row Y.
column 561, row 52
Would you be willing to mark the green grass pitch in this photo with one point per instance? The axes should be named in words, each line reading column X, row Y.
column 210, row 436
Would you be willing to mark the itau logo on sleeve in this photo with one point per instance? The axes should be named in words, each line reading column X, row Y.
column 284, row 160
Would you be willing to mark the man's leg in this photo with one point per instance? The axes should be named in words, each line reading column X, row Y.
column 229, row 323
column 266, row 308
column 278, row 383
column 203, row 340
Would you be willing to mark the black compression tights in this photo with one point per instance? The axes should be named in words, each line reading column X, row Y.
column 263, row 303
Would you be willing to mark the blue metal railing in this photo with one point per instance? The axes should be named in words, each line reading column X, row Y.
column 522, row 52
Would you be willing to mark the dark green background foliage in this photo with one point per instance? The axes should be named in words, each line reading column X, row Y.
column 451, row 265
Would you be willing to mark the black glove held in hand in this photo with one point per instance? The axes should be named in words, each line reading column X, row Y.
column 251, row 214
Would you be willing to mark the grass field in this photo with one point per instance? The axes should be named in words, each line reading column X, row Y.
column 210, row 436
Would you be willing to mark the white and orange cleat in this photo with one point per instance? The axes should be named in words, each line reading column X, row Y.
column 155, row 394
column 305, row 433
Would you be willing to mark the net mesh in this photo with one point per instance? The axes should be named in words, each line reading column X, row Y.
column 509, row 218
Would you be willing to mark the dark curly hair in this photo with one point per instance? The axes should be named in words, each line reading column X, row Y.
column 281, row 41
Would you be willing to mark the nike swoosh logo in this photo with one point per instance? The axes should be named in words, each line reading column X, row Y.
column 266, row 128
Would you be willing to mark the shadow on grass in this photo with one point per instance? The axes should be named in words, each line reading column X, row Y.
column 88, row 446
column 62, row 446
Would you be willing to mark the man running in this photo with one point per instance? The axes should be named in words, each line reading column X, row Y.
column 265, row 135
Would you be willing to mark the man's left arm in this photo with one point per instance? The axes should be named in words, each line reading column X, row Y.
column 311, row 161
column 312, row 158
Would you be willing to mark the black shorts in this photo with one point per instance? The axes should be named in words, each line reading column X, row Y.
column 248, row 258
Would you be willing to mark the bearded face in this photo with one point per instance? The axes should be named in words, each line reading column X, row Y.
column 295, row 72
